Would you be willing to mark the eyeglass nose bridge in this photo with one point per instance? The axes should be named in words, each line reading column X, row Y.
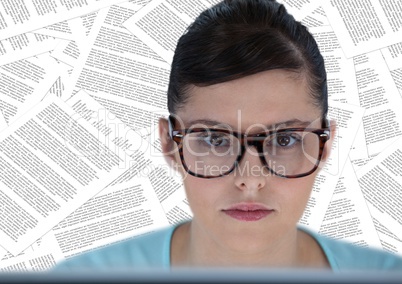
column 259, row 146
column 257, row 142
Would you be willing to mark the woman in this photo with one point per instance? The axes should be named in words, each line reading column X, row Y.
column 248, row 133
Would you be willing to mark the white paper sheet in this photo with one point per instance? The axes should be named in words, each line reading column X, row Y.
column 378, row 94
column 3, row 123
column 118, row 212
column 20, row 16
column 40, row 256
column 390, row 238
column 52, row 161
column 348, row 217
column 381, row 183
column 159, row 25
column 24, row 46
column 364, row 25
column 317, row 18
column 24, row 83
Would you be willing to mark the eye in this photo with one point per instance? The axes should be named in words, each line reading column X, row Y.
column 285, row 140
column 216, row 139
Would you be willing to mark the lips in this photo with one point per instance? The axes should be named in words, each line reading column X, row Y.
column 248, row 211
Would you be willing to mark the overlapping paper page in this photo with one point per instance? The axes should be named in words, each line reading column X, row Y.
column 83, row 84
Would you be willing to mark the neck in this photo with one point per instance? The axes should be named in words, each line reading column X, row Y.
column 196, row 247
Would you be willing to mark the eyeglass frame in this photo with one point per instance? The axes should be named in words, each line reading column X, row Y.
column 324, row 134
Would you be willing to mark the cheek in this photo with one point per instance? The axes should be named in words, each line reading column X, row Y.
column 295, row 195
column 203, row 195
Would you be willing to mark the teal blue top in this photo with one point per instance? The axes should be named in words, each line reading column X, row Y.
column 153, row 251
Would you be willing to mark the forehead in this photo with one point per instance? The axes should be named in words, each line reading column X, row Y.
column 266, row 98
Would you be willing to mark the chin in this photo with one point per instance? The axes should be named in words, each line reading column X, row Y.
column 253, row 236
column 245, row 244
column 244, row 238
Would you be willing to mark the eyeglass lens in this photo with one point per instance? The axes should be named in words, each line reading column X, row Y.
column 215, row 153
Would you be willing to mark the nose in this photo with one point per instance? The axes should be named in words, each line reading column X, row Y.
column 250, row 173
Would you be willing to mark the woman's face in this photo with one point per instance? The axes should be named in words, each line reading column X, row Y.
column 267, row 98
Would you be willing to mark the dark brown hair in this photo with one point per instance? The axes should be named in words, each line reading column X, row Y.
column 237, row 38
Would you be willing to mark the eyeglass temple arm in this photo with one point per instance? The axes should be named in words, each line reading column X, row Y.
column 326, row 125
column 171, row 125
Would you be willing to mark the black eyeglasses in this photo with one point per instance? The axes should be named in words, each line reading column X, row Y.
column 212, row 153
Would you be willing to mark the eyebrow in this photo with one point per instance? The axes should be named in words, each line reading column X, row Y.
column 291, row 122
